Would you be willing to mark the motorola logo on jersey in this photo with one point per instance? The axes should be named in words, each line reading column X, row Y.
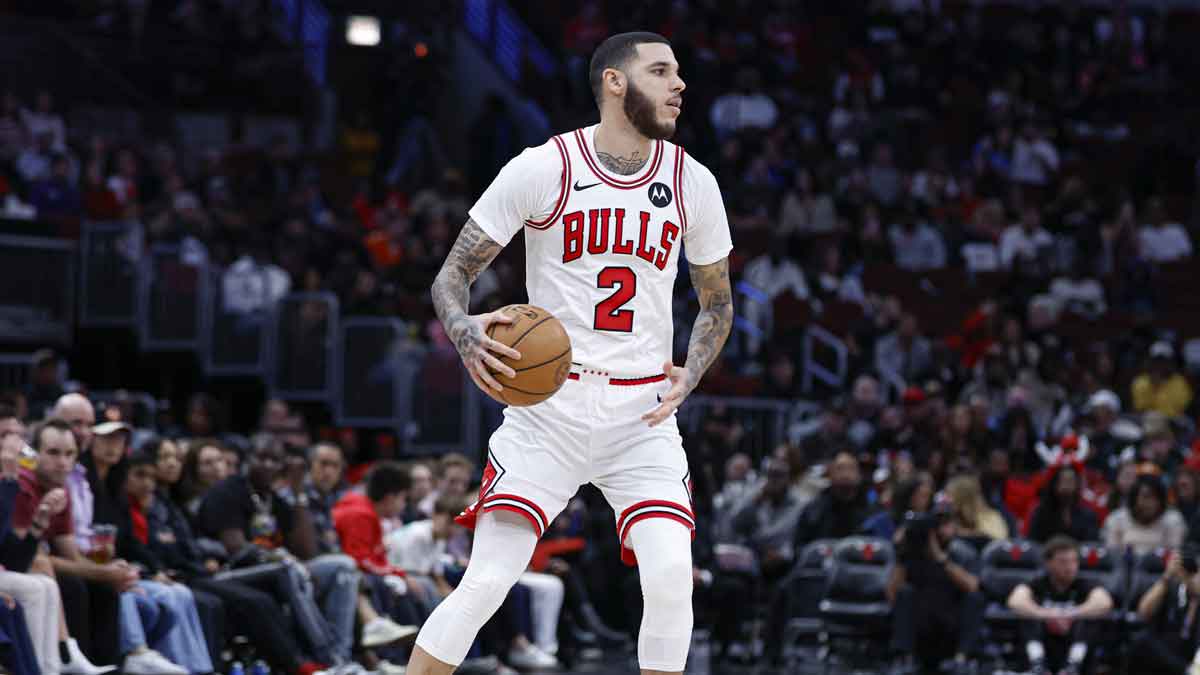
column 660, row 195
column 600, row 231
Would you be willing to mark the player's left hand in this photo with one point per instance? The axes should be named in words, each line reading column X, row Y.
column 681, row 386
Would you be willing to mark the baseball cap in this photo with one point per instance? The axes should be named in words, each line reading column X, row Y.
column 111, row 428
column 1162, row 349
column 1105, row 398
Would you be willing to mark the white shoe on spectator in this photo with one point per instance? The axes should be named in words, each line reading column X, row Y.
column 151, row 662
column 389, row 668
column 79, row 664
column 383, row 631
column 530, row 658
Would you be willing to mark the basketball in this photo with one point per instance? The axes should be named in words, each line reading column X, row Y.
column 545, row 355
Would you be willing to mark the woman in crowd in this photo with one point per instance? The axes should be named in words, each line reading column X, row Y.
column 1060, row 510
column 913, row 494
column 203, row 467
column 173, row 544
column 975, row 519
column 1148, row 522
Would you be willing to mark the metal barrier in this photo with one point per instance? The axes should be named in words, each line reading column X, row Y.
column 304, row 362
column 172, row 293
column 815, row 367
column 236, row 339
column 373, row 356
column 15, row 370
column 38, row 294
column 108, row 273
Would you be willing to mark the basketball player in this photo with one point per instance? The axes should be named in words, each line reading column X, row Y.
column 606, row 211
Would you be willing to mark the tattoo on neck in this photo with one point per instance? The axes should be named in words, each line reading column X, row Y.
column 622, row 165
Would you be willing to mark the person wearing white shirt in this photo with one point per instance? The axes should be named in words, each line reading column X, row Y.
column 1163, row 240
column 746, row 108
column 1035, row 160
column 771, row 274
column 1024, row 240
column 917, row 246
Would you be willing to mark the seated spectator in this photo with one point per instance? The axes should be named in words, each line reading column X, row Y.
column 740, row 480
column 56, row 197
column 1169, row 646
column 255, row 526
column 772, row 274
column 1056, row 607
column 1162, row 239
column 420, row 487
column 453, row 478
column 1061, row 511
column 203, row 467
column 904, row 353
column 90, row 591
column 911, row 495
column 820, row 445
column 170, row 540
column 1148, row 522
column 766, row 521
column 916, row 245
column 1161, row 387
column 1025, row 244
column 937, row 609
column 805, row 211
column 972, row 514
column 1186, row 493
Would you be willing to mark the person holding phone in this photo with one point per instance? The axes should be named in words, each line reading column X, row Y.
column 1171, row 610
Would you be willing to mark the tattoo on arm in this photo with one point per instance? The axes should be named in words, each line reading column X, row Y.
column 622, row 165
column 715, row 319
column 472, row 252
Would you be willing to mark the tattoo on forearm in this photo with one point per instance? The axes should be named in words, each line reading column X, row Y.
column 472, row 252
column 714, row 321
column 622, row 165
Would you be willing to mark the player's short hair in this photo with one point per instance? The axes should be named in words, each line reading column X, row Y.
column 1057, row 544
column 615, row 52
column 386, row 479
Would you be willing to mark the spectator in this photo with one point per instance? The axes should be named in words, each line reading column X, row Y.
column 89, row 590
column 937, row 609
column 831, row 282
column 1163, row 240
column 421, row 486
column 1060, row 511
column 974, row 517
column 322, row 487
column 740, row 481
column 1055, row 607
column 43, row 120
column 203, row 467
column 766, row 521
column 911, row 495
column 772, row 274
column 1186, row 493
column 454, row 477
column 746, row 107
column 820, row 445
column 33, row 164
column 56, row 197
column 170, row 539
column 904, row 353
column 1170, row 645
column 255, row 525
column 916, row 246
column 1161, row 387
column 884, row 181
column 805, row 211
column 1025, row 243
column 1148, row 522
column 841, row 508
column 1034, row 158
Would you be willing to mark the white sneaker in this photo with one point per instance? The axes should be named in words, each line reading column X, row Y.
column 151, row 662
column 79, row 664
column 531, row 658
column 389, row 668
column 383, row 631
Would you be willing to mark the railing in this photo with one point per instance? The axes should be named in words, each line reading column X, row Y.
column 506, row 38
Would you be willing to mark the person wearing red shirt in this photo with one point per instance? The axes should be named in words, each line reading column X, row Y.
column 358, row 519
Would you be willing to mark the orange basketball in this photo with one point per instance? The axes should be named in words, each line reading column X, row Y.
column 545, row 355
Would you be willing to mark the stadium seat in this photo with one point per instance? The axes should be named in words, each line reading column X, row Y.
column 810, row 578
column 1005, row 564
column 1146, row 569
column 855, row 609
column 1106, row 567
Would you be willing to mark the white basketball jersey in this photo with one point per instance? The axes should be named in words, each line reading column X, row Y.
column 603, row 256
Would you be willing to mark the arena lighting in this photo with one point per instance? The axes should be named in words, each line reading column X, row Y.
column 362, row 31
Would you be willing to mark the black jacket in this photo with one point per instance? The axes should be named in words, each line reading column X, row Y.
column 828, row 518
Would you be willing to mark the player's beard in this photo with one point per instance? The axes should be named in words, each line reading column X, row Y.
column 641, row 112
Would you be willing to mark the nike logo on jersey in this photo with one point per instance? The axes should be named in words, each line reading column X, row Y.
column 579, row 188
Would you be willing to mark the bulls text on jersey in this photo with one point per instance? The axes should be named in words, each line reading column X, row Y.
column 602, row 230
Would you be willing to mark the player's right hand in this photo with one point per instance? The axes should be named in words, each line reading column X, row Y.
column 478, row 351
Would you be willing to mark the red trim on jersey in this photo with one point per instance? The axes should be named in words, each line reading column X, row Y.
column 655, row 162
column 650, row 509
column 563, row 190
column 505, row 502
column 627, row 382
column 680, row 155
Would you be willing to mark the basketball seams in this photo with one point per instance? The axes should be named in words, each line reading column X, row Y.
column 543, row 320
column 547, row 361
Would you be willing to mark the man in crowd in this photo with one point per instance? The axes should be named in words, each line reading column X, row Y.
column 937, row 609
column 1056, row 606
column 454, row 477
column 1169, row 608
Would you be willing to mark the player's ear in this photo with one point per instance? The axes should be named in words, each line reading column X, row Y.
column 614, row 81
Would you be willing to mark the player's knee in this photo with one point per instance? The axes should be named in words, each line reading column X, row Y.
column 488, row 580
column 666, row 580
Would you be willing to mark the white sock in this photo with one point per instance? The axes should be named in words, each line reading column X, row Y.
column 1035, row 651
column 1078, row 653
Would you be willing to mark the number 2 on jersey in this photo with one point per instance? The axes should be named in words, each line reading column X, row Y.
column 609, row 315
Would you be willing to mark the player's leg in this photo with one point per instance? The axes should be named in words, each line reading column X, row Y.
column 504, row 543
column 664, row 554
